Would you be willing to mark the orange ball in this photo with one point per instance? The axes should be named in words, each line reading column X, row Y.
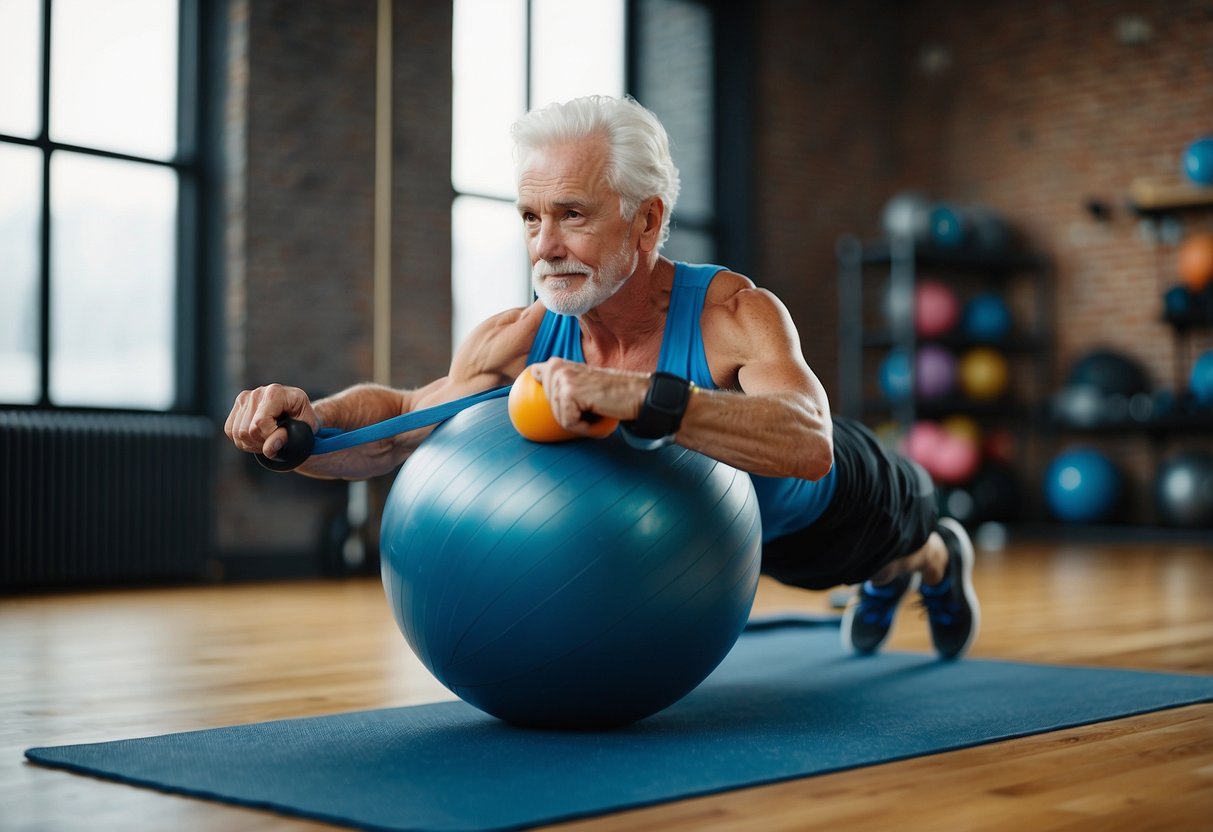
column 533, row 418
column 1196, row 261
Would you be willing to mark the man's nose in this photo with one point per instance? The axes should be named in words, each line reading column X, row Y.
column 549, row 242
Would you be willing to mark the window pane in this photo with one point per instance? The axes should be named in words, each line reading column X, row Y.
column 675, row 77
column 20, row 209
column 691, row 246
column 114, row 75
column 489, row 267
column 489, row 73
column 20, row 73
column 113, row 279
column 577, row 49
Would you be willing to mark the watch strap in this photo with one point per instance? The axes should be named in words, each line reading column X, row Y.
column 665, row 402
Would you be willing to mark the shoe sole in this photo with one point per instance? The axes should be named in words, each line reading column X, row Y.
column 967, row 557
column 849, row 615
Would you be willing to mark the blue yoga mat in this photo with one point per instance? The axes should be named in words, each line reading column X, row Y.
column 786, row 703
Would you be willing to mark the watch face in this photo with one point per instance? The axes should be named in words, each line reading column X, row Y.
column 668, row 394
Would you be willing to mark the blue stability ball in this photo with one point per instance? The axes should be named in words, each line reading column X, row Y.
column 1178, row 302
column 895, row 375
column 986, row 318
column 1200, row 381
column 578, row 584
column 1082, row 486
column 1198, row 161
column 947, row 227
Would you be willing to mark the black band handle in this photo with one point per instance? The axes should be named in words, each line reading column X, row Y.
column 296, row 450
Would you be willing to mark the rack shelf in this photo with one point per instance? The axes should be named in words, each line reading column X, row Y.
column 884, row 339
column 1165, row 195
column 1028, row 347
column 903, row 262
column 883, row 252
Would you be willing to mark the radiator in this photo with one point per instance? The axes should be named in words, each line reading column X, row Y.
column 104, row 498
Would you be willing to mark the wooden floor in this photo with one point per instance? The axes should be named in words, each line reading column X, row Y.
column 101, row 666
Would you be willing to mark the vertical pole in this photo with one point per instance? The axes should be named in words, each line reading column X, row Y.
column 382, row 266
column 353, row 552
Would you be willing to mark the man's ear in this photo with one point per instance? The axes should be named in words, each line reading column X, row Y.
column 652, row 212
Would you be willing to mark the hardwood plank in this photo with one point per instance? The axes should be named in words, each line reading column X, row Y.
column 85, row 667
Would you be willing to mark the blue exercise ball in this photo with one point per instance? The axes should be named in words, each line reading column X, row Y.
column 1198, row 161
column 947, row 227
column 1083, row 486
column 896, row 376
column 1200, row 381
column 986, row 317
column 1178, row 303
column 580, row 584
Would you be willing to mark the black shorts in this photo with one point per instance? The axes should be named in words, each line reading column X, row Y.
column 883, row 508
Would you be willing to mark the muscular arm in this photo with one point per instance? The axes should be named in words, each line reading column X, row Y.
column 492, row 355
column 773, row 434
column 777, row 420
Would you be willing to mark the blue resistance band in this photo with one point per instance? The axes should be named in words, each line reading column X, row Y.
column 329, row 440
column 301, row 443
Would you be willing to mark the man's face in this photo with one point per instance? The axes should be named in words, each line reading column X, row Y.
column 582, row 251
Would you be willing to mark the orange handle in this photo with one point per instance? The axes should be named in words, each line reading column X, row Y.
column 532, row 414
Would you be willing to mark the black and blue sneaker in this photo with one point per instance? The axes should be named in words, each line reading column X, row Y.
column 869, row 616
column 951, row 605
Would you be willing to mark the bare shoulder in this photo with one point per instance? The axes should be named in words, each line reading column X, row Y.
column 742, row 323
column 499, row 345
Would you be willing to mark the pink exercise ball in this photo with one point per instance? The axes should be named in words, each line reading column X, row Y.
column 936, row 309
column 949, row 458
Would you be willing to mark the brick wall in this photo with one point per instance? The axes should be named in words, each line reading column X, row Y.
column 823, row 149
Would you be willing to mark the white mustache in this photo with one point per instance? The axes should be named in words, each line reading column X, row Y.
column 543, row 268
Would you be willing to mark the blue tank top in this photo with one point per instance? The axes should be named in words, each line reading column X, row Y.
column 785, row 503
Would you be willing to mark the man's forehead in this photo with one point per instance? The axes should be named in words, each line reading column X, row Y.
column 561, row 191
column 583, row 161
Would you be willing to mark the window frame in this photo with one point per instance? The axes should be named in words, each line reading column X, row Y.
column 190, row 167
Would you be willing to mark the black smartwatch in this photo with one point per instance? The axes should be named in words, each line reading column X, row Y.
column 661, row 414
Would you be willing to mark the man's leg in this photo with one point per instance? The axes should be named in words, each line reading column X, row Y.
column 930, row 561
column 943, row 569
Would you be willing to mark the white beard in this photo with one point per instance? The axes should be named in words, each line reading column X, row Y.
column 559, row 294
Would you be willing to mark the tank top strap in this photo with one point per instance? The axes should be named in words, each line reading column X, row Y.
column 559, row 336
column 682, row 351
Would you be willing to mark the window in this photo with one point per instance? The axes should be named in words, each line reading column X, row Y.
column 509, row 56
column 674, row 75
column 97, row 170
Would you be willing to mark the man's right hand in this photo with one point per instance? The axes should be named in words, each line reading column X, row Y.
column 253, row 423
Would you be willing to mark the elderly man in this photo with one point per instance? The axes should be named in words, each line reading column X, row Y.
column 696, row 355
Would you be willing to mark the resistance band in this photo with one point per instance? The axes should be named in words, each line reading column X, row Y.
column 301, row 443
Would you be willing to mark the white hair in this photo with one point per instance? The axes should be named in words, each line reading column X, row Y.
column 639, row 165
